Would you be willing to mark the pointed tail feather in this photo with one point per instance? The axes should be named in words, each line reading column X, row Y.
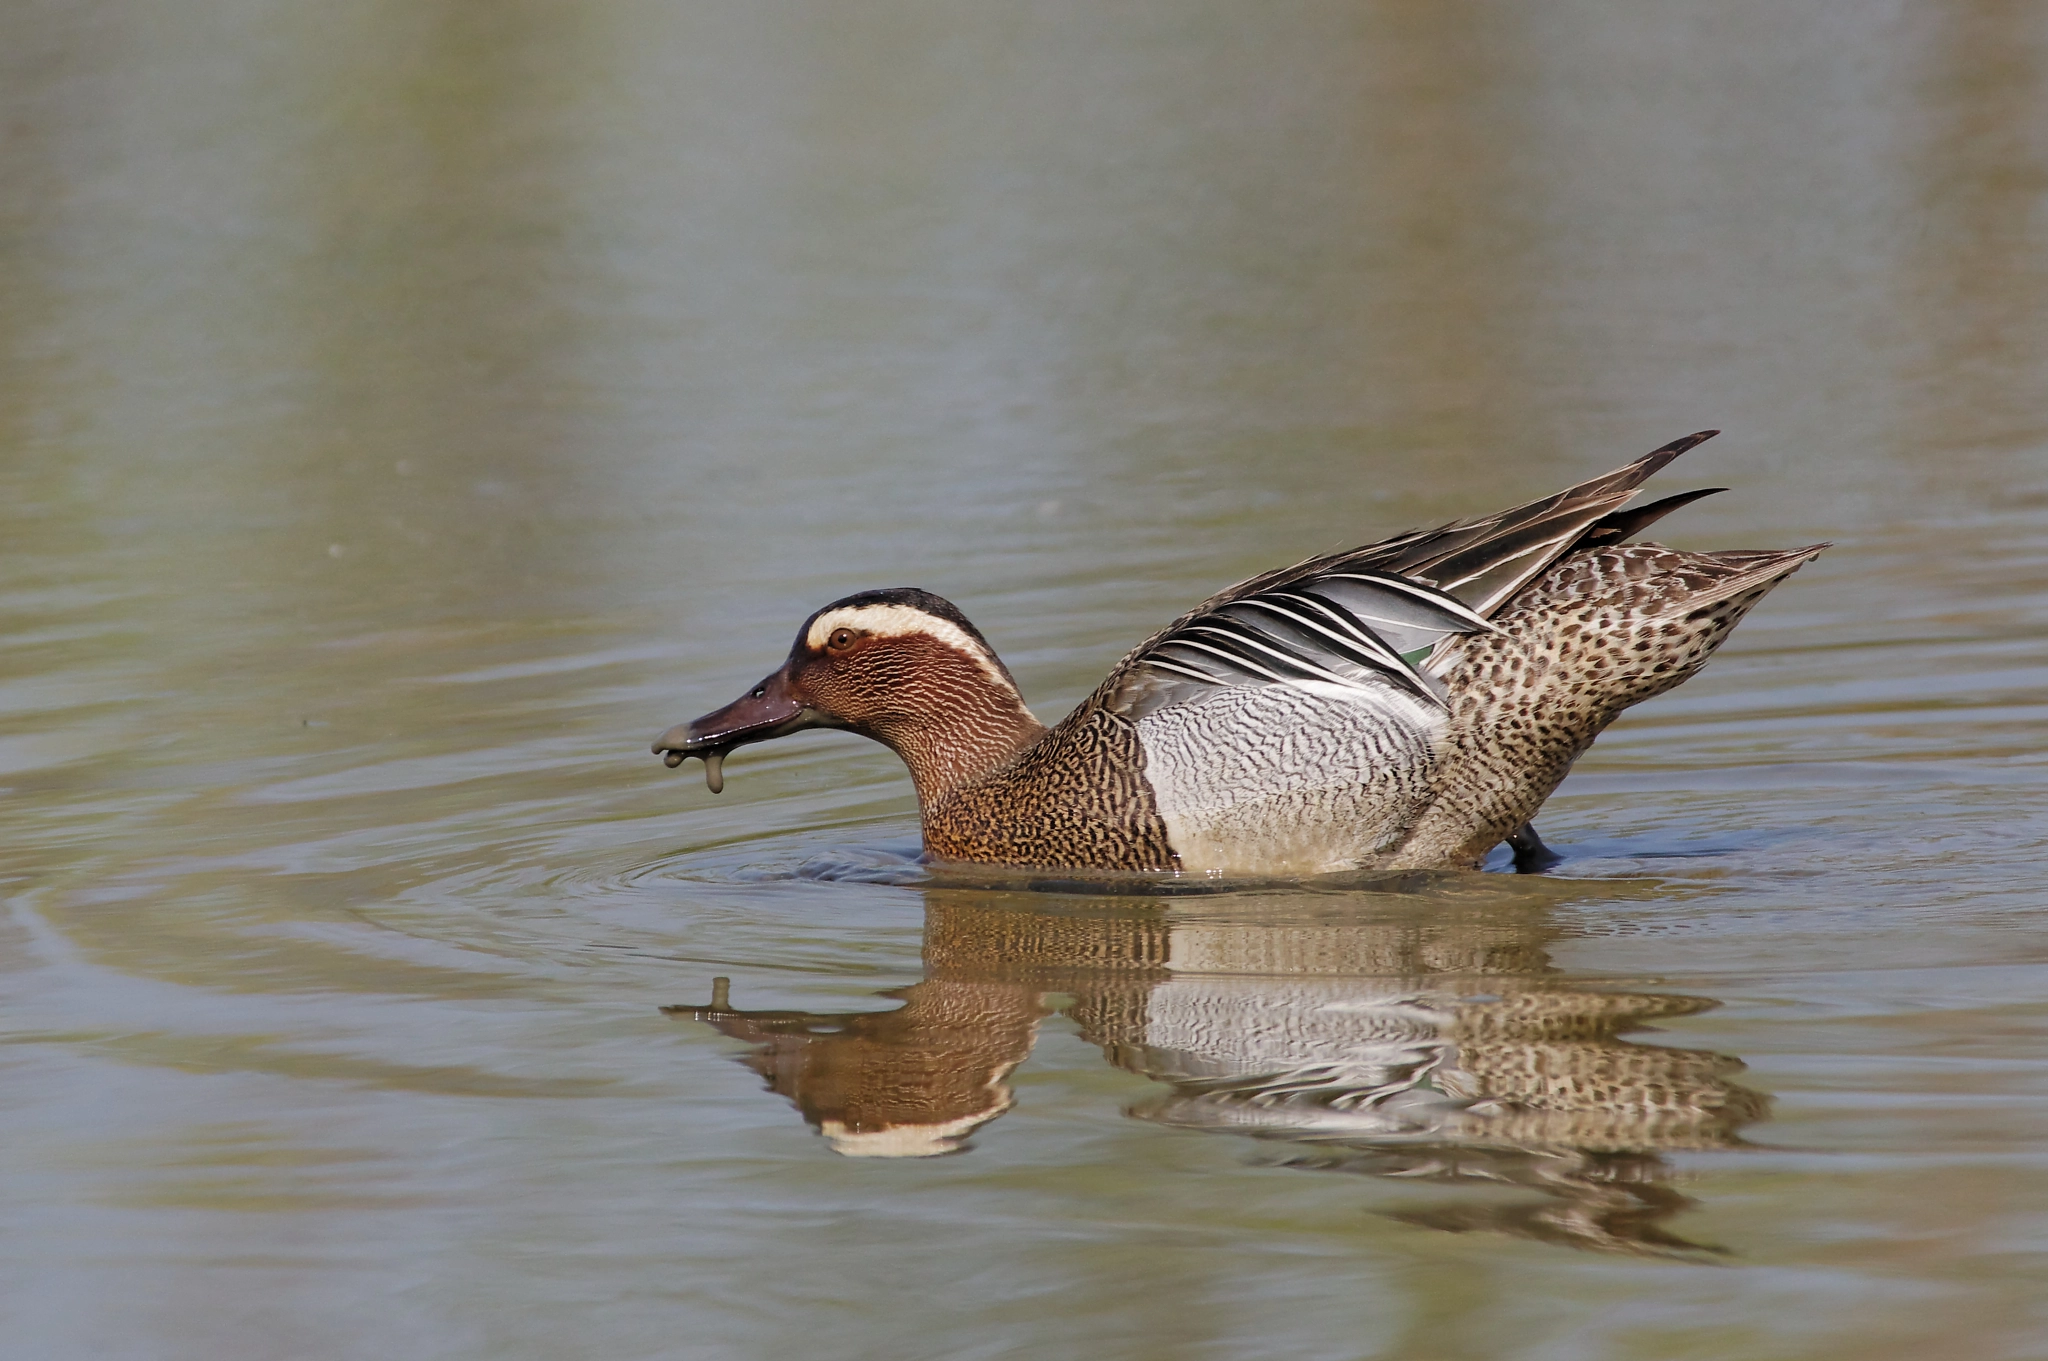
column 1619, row 526
column 1484, row 562
column 1689, row 583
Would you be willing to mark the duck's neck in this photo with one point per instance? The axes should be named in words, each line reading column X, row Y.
column 966, row 732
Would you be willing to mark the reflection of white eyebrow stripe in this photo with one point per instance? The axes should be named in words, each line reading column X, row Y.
column 899, row 621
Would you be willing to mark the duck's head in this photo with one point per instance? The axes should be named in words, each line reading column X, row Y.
column 902, row 666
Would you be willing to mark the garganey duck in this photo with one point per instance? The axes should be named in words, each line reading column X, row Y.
column 1408, row 704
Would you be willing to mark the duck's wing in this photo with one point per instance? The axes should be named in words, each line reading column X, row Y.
column 1350, row 634
column 1361, row 620
column 1484, row 562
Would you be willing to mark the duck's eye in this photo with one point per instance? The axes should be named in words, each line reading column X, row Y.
column 760, row 691
column 841, row 638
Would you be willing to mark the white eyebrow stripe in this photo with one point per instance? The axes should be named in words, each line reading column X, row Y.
column 901, row 621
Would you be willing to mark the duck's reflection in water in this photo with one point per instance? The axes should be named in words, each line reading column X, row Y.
column 1430, row 1042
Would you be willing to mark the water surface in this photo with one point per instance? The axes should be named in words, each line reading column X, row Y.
column 407, row 411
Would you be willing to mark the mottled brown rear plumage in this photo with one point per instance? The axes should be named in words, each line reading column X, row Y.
column 1601, row 630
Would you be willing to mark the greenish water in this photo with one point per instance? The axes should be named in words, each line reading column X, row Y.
column 406, row 411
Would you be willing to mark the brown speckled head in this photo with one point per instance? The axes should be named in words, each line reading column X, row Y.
column 901, row 666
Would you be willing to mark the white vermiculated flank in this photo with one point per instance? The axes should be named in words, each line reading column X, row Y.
column 1303, row 778
column 897, row 621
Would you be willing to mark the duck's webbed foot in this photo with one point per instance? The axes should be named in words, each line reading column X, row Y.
column 1531, row 855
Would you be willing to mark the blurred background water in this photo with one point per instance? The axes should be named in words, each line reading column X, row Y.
column 406, row 410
